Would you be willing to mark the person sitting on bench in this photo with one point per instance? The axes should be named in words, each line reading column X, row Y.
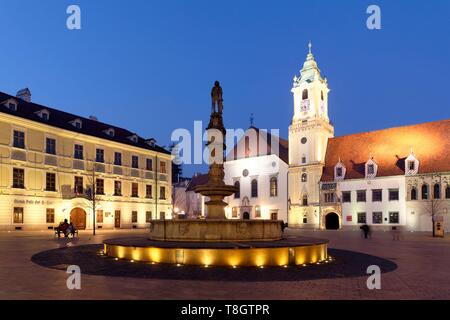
column 71, row 230
column 62, row 228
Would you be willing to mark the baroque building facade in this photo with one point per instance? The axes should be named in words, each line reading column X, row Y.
column 55, row 165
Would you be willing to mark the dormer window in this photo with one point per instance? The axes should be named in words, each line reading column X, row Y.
column 44, row 114
column 151, row 142
column 110, row 132
column 339, row 171
column 133, row 138
column 11, row 104
column 371, row 169
column 77, row 123
column 411, row 165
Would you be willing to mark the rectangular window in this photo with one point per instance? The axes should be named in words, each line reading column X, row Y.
column 18, row 215
column 135, row 162
column 377, row 195
column 257, row 212
column 377, row 217
column 149, row 164
column 78, row 152
column 329, row 198
column 305, row 220
column 162, row 193
column 99, row 186
column 346, row 196
column 50, row 182
column 412, row 165
column 134, row 190
column 100, row 155
column 134, row 217
column 393, row 194
column 117, row 188
column 361, row 196
column 19, row 139
column 370, row 169
column 303, row 159
column 234, row 212
column 148, row 191
column 78, row 185
column 393, row 217
column 18, row 178
column 162, row 167
column 148, row 216
column 50, row 215
column 339, row 172
column 117, row 158
column 99, row 216
column 361, row 217
column 50, row 146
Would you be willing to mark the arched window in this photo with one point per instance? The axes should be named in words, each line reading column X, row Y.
column 273, row 187
column 437, row 191
column 304, row 177
column 447, row 192
column 321, row 95
column 424, row 192
column 413, row 194
column 254, row 188
column 237, row 194
column 305, row 94
column 305, row 200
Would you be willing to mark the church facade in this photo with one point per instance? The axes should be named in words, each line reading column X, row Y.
column 392, row 177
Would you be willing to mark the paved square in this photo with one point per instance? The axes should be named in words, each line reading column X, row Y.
column 422, row 272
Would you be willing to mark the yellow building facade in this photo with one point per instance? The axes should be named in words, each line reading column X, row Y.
column 53, row 168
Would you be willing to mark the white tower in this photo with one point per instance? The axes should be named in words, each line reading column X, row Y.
column 308, row 138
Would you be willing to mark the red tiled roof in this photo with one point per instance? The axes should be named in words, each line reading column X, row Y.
column 430, row 143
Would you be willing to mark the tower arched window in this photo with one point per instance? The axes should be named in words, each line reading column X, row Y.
column 413, row 194
column 254, row 188
column 321, row 95
column 305, row 94
column 447, row 192
column 425, row 192
column 304, row 177
column 273, row 187
column 237, row 194
column 437, row 191
column 305, row 200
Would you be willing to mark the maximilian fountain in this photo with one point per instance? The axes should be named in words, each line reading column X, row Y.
column 215, row 240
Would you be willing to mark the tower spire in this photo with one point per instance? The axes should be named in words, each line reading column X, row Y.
column 252, row 120
column 310, row 47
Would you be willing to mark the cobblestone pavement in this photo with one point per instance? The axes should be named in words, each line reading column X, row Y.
column 422, row 272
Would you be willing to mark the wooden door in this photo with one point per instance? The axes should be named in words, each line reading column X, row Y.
column 78, row 218
column 117, row 219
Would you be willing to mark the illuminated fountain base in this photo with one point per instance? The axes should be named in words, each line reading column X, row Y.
column 284, row 252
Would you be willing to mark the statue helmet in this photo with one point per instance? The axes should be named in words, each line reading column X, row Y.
column 217, row 83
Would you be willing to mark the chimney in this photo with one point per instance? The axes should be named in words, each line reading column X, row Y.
column 24, row 94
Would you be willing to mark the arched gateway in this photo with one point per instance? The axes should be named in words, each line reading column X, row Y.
column 332, row 221
column 78, row 218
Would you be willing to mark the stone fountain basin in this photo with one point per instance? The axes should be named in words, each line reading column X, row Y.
column 197, row 230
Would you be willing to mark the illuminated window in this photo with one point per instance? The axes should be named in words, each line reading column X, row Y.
column 99, row 216
column 393, row 217
column 78, row 185
column 78, row 151
column 135, row 162
column 257, row 212
column 234, row 212
column 50, row 215
column 18, row 215
column 273, row 187
column 100, row 155
column 254, row 187
column 162, row 167
column 437, row 191
column 425, row 192
column 162, row 193
column 148, row 191
column 148, row 216
column 237, row 185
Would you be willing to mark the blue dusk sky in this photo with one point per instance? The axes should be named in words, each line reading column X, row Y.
column 149, row 65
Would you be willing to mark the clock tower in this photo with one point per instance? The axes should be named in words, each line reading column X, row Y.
column 308, row 138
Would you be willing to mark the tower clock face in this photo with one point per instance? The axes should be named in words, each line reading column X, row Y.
column 304, row 105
